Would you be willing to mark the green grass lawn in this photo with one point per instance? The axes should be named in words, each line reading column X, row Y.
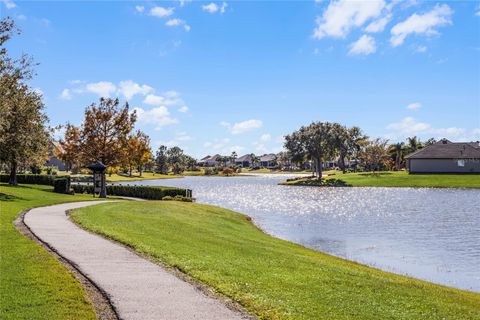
column 271, row 278
column 33, row 284
column 399, row 179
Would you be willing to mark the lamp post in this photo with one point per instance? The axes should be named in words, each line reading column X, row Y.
column 99, row 185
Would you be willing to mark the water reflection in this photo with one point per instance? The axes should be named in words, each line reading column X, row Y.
column 432, row 234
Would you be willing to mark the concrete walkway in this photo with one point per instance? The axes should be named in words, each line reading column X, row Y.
column 137, row 288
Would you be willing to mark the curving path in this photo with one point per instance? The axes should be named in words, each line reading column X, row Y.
column 136, row 287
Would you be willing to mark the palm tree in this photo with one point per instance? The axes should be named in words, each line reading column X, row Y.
column 233, row 157
column 398, row 154
column 254, row 159
column 413, row 144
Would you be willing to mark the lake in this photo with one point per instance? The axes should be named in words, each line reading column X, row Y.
column 430, row 234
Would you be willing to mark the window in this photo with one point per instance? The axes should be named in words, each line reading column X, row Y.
column 461, row 163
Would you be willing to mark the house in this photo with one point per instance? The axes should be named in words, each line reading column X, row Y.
column 209, row 161
column 55, row 149
column 268, row 160
column 244, row 161
column 445, row 157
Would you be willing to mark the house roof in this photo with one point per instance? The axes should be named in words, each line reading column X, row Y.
column 57, row 145
column 244, row 158
column 445, row 149
column 268, row 157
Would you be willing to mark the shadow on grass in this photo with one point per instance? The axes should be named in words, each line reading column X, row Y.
column 8, row 197
column 375, row 174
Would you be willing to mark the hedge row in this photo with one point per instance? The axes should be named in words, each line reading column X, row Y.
column 144, row 192
column 31, row 179
column 62, row 185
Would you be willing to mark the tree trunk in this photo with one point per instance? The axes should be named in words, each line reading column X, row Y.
column 130, row 171
column 13, row 173
column 342, row 162
column 318, row 168
column 140, row 170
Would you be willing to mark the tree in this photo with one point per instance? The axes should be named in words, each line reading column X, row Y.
column 398, row 154
column 71, row 148
column 190, row 162
column 374, row 154
column 346, row 141
column 176, row 159
column 430, row 141
column 254, row 159
column 233, row 158
column 137, row 151
column 105, row 131
column 161, row 164
column 284, row 159
column 413, row 144
column 314, row 141
column 139, row 146
column 24, row 136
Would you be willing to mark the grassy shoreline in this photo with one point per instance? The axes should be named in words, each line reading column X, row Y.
column 33, row 284
column 271, row 278
column 393, row 179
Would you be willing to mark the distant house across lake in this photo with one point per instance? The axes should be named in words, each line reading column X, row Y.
column 445, row 157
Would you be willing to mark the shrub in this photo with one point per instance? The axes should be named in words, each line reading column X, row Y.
column 228, row 171
column 35, row 169
column 143, row 192
column 62, row 185
column 30, row 179
column 183, row 198
column 167, row 198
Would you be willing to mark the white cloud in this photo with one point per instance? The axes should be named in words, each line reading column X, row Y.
column 102, row 88
column 161, row 12
column 183, row 2
column 129, row 89
column 265, row 137
column 364, row 45
column 182, row 136
column 221, row 146
column 140, row 8
column 154, row 100
column 408, row 127
column 183, row 109
column 176, row 23
column 421, row 49
column 477, row 13
column 245, row 126
column 9, row 4
column 414, row 106
column 342, row 16
column 223, row 7
column 159, row 116
column 379, row 24
column 421, row 24
column 260, row 147
column 66, row 94
column 242, row 127
column 213, row 7
column 22, row 17
column 76, row 81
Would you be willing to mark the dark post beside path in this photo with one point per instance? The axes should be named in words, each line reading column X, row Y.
column 99, row 185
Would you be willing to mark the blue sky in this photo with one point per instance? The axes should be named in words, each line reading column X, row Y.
column 213, row 77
